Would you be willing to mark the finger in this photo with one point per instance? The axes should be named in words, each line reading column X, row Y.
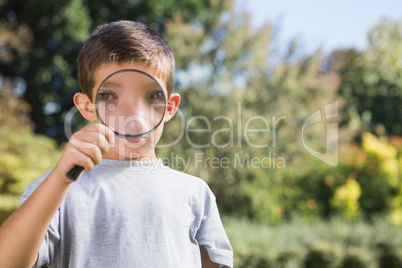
column 93, row 138
column 94, row 153
column 81, row 159
column 102, row 129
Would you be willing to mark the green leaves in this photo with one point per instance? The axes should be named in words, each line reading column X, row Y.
column 24, row 156
column 372, row 80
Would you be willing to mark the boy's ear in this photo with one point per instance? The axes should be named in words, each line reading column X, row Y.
column 85, row 106
column 172, row 106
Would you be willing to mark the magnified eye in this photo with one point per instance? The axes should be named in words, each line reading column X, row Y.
column 158, row 95
column 105, row 96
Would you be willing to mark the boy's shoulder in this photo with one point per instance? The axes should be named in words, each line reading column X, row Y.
column 182, row 174
column 186, row 177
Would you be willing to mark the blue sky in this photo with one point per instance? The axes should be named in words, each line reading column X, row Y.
column 326, row 24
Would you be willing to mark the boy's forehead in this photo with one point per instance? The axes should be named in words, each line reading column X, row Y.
column 104, row 71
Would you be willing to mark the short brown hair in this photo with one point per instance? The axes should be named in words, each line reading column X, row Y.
column 124, row 42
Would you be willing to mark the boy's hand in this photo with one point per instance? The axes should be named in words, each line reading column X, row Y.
column 85, row 149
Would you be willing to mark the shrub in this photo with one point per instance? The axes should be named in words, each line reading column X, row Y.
column 331, row 243
column 324, row 254
column 390, row 256
column 24, row 155
column 366, row 182
column 358, row 257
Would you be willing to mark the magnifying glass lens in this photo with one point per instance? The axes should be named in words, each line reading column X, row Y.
column 131, row 103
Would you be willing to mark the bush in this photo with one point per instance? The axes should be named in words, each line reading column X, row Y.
column 332, row 243
column 366, row 182
column 24, row 155
column 358, row 257
column 390, row 257
column 324, row 254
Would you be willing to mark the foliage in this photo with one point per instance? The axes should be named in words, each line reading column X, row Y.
column 372, row 80
column 40, row 41
column 232, row 79
column 331, row 243
column 24, row 156
column 366, row 182
column 346, row 198
column 323, row 254
column 220, row 74
column 228, row 78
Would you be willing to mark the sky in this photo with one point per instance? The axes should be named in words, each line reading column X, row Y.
column 323, row 23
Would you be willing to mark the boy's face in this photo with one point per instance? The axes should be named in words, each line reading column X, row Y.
column 126, row 149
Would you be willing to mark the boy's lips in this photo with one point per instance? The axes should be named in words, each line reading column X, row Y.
column 134, row 140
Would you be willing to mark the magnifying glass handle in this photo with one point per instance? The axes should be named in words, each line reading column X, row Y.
column 75, row 172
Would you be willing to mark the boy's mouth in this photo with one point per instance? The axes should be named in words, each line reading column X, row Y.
column 134, row 140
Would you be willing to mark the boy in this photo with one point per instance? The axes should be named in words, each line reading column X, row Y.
column 119, row 212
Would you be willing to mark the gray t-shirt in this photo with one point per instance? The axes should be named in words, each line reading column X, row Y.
column 134, row 214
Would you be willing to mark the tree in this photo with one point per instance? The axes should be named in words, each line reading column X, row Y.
column 231, row 68
column 372, row 80
column 24, row 156
column 44, row 37
column 46, row 63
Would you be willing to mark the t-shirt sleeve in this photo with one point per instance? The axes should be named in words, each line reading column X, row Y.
column 52, row 238
column 211, row 235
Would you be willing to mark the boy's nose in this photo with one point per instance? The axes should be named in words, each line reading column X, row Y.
column 134, row 118
column 133, row 106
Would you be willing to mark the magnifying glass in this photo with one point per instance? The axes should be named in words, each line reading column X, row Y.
column 131, row 103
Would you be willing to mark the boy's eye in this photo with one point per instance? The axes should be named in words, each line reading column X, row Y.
column 105, row 96
column 158, row 95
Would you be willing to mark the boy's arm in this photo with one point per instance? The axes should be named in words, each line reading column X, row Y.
column 206, row 261
column 22, row 233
